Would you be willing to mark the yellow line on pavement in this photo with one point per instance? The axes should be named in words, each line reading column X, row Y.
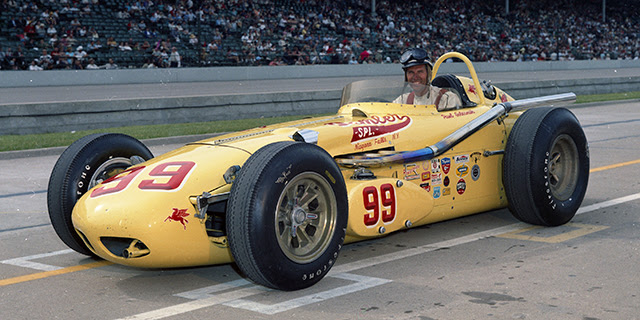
column 571, row 231
column 40, row 275
column 617, row 165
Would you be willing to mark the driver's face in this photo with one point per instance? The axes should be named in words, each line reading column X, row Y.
column 417, row 74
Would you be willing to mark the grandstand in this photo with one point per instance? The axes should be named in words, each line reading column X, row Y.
column 79, row 34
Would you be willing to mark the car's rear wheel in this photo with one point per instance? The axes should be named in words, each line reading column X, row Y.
column 546, row 166
column 287, row 215
column 84, row 164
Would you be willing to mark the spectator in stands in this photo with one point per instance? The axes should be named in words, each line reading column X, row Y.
column 51, row 30
column 111, row 43
column 34, row 66
column 193, row 40
column 149, row 64
column 92, row 47
column 163, row 59
column 82, row 31
column 110, row 65
column 174, row 58
column 92, row 65
column 417, row 72
column 77, row 64
column 93, row 34
column 80, row 54
column 124, row 46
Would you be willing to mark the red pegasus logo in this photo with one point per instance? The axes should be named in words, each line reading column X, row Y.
column 178, row 215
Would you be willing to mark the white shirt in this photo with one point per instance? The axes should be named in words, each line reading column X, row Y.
column 445, row 99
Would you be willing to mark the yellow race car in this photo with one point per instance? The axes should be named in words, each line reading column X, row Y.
column 281, row 200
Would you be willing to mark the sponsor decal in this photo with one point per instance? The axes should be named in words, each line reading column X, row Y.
column 435, row 165
column 503, row 97
column 461, row 158
column 375, row 126
column 446, row 181
column 445, row 163
column 475, row 172
column 426, row 176
column 411, row 171
column 462, row 170
column 446, row 191
column 436, row 178
column 426, row 186
column 436, row 192
column 178, row 215
column 461, row 186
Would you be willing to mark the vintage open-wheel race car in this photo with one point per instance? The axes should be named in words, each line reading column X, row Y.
column 281, row 200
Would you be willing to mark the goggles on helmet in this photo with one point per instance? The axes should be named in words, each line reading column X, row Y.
column 414, row 57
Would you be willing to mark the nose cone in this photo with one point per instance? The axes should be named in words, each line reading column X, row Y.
column 144, row 217
column 129, row 231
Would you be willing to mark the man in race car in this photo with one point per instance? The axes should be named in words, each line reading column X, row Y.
column 417, row 72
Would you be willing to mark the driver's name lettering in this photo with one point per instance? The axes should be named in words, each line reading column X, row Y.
column 456, row 114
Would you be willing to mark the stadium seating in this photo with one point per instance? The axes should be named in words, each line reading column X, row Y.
column 313, row 31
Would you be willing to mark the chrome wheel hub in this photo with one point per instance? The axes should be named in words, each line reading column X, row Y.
column 305, row 217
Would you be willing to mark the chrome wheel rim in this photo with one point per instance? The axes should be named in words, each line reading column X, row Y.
column 563, row 167
column 111, row 168
column 306, row 216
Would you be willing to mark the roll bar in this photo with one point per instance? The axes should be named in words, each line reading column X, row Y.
column 474, row 76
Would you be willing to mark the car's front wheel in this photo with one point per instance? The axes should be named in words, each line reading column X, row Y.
column 84, row 164
column 287, row 215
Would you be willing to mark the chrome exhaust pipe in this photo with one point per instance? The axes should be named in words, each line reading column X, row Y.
column 129, row 254
column 136, row 249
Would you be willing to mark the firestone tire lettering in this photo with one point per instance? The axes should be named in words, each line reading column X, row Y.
column 72, row 174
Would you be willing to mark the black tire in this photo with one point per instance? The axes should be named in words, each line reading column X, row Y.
column 274, row 241
column 546, row 166
column 84, row 164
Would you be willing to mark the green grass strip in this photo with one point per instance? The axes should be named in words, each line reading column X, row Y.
column 45, row 140
column 608, row 97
